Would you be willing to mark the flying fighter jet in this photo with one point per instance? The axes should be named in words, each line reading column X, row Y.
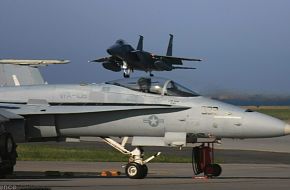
column 153, row 111
column 124, row 56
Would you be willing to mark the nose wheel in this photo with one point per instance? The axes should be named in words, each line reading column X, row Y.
column 136, row 171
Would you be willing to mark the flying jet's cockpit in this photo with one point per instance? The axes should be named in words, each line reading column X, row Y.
column 154, row 85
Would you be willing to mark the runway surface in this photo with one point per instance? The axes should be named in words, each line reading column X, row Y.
column 85, row 175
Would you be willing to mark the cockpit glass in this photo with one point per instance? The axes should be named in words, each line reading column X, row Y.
column 154, row 85
column 174, row 89
column 120, row 42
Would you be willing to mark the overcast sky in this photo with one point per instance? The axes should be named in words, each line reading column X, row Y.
column 245, row 44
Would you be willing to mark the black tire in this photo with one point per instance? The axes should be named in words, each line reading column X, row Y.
column 212, row 170
column 10, row 170
column 6, row 168
column 135, row 171
column 145, row 171
column 209, row 170
column 8, row 154
column 217, row 170
column 7, row 145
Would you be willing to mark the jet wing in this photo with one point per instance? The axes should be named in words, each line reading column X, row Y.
column 6, row 116
column 173, row 60
column 109, row 58
column 33, row 62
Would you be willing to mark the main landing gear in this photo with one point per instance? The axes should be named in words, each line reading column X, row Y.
column 8, row 154
column 203, row 161
column 136, row 167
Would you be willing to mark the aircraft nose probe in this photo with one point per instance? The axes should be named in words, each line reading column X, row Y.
column 287, row 129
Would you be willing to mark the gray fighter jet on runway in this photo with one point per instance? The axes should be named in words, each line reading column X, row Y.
column 124, row 56
column 153, row 111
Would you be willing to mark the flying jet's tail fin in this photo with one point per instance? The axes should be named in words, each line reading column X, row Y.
column 140, row 43
column 23, row 72
column 169, row 48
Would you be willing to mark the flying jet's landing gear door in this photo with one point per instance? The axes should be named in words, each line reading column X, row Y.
column 41, row 126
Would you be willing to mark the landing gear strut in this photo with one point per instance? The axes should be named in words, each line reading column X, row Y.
column 126, row 70
column 136, row 167
column 125, row 75
column 8, row 154
column 203, row 161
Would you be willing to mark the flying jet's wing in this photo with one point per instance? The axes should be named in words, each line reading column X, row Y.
column 173, row 60
column 109, row 58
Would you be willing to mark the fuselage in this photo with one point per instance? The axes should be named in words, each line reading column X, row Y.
column 104, row 110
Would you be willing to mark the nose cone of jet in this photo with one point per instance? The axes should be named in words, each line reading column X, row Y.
column 263, row 126
column 287, row 129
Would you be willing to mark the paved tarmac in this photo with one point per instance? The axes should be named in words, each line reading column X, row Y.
column 86, row 175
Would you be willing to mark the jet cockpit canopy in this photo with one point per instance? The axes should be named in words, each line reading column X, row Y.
column 154, row 85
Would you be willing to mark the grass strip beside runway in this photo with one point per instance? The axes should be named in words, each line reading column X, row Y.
column 37, row 152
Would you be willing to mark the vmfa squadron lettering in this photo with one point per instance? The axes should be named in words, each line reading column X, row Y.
column 153, row 111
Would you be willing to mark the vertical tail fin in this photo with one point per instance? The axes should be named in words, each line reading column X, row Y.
column 17, row 75
column 169, row 48
column 140, row 43
column 16, row 72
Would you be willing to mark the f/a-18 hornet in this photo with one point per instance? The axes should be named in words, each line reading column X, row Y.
column 153, row 111
column 124, row 56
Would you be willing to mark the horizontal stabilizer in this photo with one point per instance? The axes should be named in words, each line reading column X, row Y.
column 173, row 60
column 177, row 58
column 183, row 68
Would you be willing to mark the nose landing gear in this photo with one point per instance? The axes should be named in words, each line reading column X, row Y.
column 136, row 171
column 136, row 167
column 203, row 161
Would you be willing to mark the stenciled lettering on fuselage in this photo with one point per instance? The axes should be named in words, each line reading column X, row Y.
column 69, row 96
column 153, row 121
